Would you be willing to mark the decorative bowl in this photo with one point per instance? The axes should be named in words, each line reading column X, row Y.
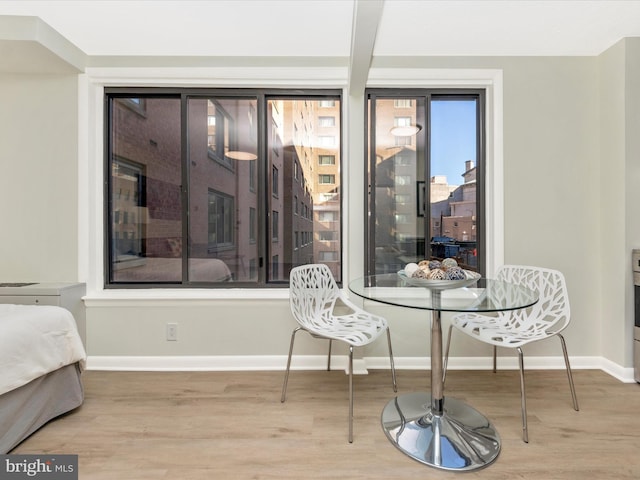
column 472, row 277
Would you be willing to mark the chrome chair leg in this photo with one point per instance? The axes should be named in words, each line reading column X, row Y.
column 569, row 374
column 446, row 355
column 286, row 374
column 495, row 359
column 525, row 430
column 350, row 393
column 329, row 357
column 393, row 366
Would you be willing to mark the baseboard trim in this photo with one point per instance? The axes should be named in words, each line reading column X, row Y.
column 339, row 362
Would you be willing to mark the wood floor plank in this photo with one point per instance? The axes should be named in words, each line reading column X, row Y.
column 232, row 425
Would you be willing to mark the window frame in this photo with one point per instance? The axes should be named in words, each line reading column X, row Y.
column 486, row 259
column 263, row 183
column 91, row 154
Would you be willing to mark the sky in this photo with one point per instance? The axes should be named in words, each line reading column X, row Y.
column 453, row 137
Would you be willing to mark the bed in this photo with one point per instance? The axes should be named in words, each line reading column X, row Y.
column 41, row 361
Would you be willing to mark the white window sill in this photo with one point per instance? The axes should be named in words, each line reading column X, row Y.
column 192, row 296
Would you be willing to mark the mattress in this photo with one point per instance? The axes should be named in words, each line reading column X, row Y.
column 34, row 341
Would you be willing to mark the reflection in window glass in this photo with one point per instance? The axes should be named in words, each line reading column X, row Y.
column 221, row 220
column 127, row 181
column 402, row 121
column 308, row 164
column 188, row 175
column 327, row 236
column 144, row 191
column 403, row 199
column 327, row 141
column 222, row 189
column 327, row 179
column 328, row 256
column 253, row 218
column 275, row 183
column 327, row 121
column 425, row 200
column 275, row 226
column 327, row 160
column 404, row 180
column 327, row 216
column 454, row 190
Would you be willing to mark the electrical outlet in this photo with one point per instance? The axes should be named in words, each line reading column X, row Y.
column 172, row 332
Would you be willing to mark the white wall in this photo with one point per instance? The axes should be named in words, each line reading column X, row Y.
column 619, row 69
column 38, row 178
column 632, row 183
column 613, row 255
column 551, row 184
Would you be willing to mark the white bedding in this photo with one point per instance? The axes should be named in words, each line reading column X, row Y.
column 35, row 340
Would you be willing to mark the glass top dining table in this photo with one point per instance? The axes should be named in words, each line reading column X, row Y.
column 441, row 432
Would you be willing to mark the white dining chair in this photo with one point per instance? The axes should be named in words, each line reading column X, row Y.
column 313, row 298
column 514, row 329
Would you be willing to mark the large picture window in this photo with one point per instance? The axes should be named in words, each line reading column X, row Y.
column 426, row 166
column 208, row 187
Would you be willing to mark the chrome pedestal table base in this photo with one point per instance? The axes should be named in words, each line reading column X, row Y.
column 459, row 438
column 441, row 432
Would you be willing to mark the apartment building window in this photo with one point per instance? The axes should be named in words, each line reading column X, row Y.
column 404, row 180
column 196, row 164
column 402, row 140
column 402, row 103
column 327, row 121
column 252, row 176
column 326, row 159
column 403, row 160
column 218, row 134
column 128, row 211
column 275, row 267
column 331, row 256
column 402, row 199
column 327, row 236
column 402, row 121
column 221, row 217
column 326, row 179
column 327, row 141
column 275, row 226
column 329, row 197
column 420, row 180
column 275, row 185
column 327, row 216
column 253, row 219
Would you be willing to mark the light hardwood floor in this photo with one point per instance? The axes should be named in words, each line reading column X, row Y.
column 231, row 425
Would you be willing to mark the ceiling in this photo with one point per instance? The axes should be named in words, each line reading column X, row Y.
column 328, row 28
